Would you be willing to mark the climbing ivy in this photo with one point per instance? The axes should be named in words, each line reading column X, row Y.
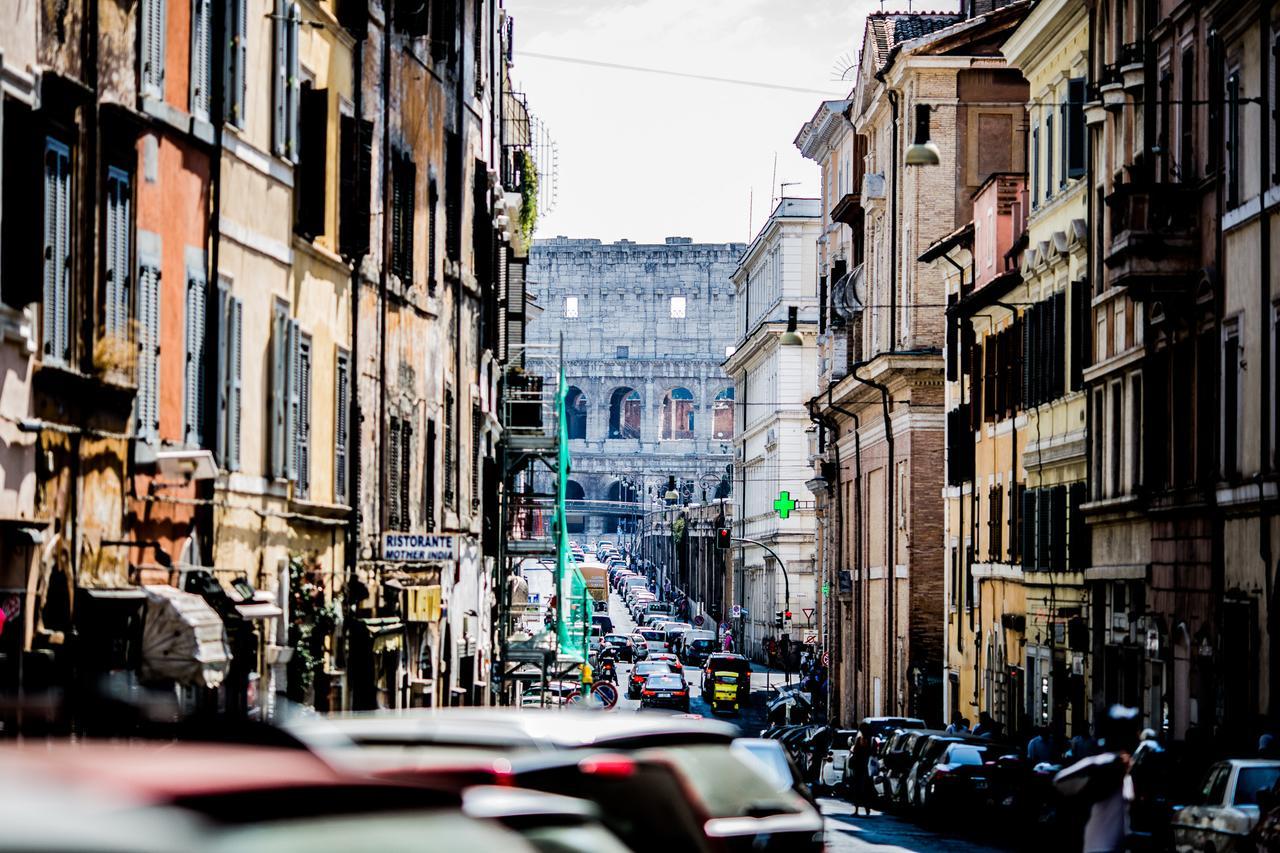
column 528, row 195
column 311, row 620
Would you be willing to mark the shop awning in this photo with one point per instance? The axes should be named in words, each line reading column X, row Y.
column 386, row 634
column 183, row 639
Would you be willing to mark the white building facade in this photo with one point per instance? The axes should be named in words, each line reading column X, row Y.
column 772, row 385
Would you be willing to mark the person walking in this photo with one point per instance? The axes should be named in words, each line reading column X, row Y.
column 1039, row 750
column 859, row 764
column 1104, row 781
column 959, row 725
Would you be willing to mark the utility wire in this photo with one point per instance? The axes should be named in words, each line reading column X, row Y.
column 574, row 60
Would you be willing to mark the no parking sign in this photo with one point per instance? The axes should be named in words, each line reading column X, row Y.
column 606, row 694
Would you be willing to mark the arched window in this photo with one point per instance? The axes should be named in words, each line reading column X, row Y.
column 575, row 410
column 624, row 413
column 677, row 415
column 722, row 415
column 575, row 522
column 573, row 491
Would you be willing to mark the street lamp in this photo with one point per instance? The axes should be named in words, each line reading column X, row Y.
column 790, row 338
column 922, row 151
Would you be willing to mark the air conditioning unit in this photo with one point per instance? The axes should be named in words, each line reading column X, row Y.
column 873, row 185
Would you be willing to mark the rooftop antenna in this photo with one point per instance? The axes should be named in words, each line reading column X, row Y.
column 751, row 207
column 782, row 188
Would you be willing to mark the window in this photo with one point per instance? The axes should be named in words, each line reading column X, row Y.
column 722, row 415
column 285, row 393
column 404, row 177
column 477, row 453
column 229, row 329
column 450, row 436
column 444, row 17
column 677, row 308
column 1135, row 433
column 302, row 421
column 623, row 352
column 1096, row 441
column 1035, row 165
column 117, row 300
column 193, row 382
column 433, row 200
column 287, row 86
column 677, row 415
column 453, row 192
column 146, row 403
column 55, row 321
column 201, row 58
column 311, row 175
column 571, row 307
column 235, row 62
column 995, row 524
column 1073, row 132
column 1233, row 139
column 624, row 413
column 398, row 481
column 151, row 49
column 341, row 422
column 429, row 477
column 1115, row 439
column 1230, row 397
column 1186, row 110
column 1048, row 154
column 395, row 521
column 354, row 178
column 1163, row 137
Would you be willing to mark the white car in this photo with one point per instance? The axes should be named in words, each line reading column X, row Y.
column 1227, row 808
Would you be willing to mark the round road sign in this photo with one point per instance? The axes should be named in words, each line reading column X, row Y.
column 606, row 693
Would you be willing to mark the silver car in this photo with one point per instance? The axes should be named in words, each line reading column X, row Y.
column 1227, row 809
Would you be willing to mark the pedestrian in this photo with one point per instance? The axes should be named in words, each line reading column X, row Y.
column 859, row 764
column 727, row 642
column 1039, row 750
column 987, row 727
column 1103, row 781
column 958, row 725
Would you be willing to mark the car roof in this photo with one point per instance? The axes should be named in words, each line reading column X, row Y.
column 1253, row 762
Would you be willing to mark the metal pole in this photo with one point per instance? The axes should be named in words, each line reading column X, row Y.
column 786, row 591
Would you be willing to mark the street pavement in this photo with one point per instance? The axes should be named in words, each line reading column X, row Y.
column 878, row 832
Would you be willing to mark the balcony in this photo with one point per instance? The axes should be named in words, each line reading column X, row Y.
column 848, row 209
column 1111, row 87
column 1133, row 69
column 1155, row 248
column 1094, row 111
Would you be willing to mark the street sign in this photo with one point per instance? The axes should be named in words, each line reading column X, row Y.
column 606, row 694
column 826, row 658
column 420, row 547
column 784, row 504
column 736, row 611
column 811, row 639
column 698, row 621
column 808, row 613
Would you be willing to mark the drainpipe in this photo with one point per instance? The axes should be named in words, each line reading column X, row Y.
column 828, row 422
column 890, row 537
column 857, row 514
column 356, row 415
column 385, row 183
column 893, row 220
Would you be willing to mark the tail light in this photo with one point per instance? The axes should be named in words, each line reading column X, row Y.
column 647, row 693
column 680, row 693
column 614, row 766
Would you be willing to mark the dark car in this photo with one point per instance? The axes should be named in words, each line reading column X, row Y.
column 698, row 646
column 901, row 762
column 888, row 755
column 640, row 673
column 604, row 621
column 963, row 778
column 622, row 644
column 665, row 690
column 727, row 662
column 930, row 753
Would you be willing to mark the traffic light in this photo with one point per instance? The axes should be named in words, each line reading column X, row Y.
column 788, row 615
column 777, row 619
column 723, row 538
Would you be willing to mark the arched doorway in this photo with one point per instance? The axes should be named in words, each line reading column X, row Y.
column 575, row 409
column 624, row 413
column 677, row 415
column 575, row 521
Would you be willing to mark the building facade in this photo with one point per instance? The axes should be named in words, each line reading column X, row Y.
column 888, row 410
column 772, row 383
column 645, row 329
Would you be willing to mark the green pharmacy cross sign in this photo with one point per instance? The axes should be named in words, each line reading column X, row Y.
column 784, row 504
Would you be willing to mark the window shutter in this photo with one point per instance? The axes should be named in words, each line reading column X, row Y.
column 152, row 52
column 1016, row 493
column 433, row 199
column 304, row 416
column 201, row 59
column 1058, row 524
column 400, row 480
column 293, row 401
column 397, row 213
column 279, row 389
column 453, row 195
column 1079, row 545
column 234, row 401
column 1029, row 529
column 447, row 466
column 193, row 369
column 1060, row 344
column 393, row 468
column 476, row 455
column 146, row 403
column 1079, row 326
column 222, row 383
column 355, row 170
column 294, row 93
column 234, row 58
column 280, row 82
column 1044, row 525
column 56, row 309
column 1075, row 134
column 342, row 405
column 117, row 296
column 408, row 198
column 429, row 477
column 442, row 26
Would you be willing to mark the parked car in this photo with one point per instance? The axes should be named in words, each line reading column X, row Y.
column 888, row 756
column 639, row 673
column 832, row 775
column 777, row 762
column 930, row 753
column 665, row 690
column 1227, row 809
column 961, row 778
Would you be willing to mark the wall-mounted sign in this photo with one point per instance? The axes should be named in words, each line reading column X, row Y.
column 423, row 603
column 420, row 547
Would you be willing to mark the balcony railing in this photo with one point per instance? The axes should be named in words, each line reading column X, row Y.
column 1154, row 237
column 848, row 209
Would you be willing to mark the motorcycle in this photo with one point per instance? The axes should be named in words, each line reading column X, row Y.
column 607, row 672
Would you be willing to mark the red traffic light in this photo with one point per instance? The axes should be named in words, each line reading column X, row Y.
column 723, row 538
column 788, row 614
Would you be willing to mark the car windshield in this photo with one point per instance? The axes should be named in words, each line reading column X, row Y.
column 1252, row 780
column 726, row 783
column 771, row 756
column 651, row 668
column 651, row 635
column 701, row 645
column 726, row 679
column 965, row 755
column 663, row 681
column 617, row 638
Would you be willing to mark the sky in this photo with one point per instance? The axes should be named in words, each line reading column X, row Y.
column 645, row 156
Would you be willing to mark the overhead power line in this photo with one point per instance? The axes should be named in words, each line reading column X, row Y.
column 759, row 84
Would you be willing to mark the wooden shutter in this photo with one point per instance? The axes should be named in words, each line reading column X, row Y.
column 1058, row 529
column 280, row 80
column 235, row 324
column 294, row 89
column 393, row 467
column 201, row 58
column 118, row 284
column 235, row 56
column 1027, row 542
column 1044, row 529
column 56, row 308
column 279, row 388
column 304, row 415
column 341, row 415
column 356, row 142
column 1081, row 316
column 429, row 477
column 449, row 435
column 312, row 172
column 146, row 403
column 476, row 455
column 402, row 476
column 153, row 47
column 293, row 402
column 1079, row 546
column 194, row 359
column 453, row 195
column 1076, row 138
column 433, row 199
column 222, row 381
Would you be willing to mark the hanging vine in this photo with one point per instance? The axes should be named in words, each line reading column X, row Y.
column 312, row 620
column 528, row 195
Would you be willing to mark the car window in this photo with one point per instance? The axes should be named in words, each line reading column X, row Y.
column 726, row 784
column 651, row 668
column 1252, row 780
column 1215, row 785
column 771, row 757
column 965, row 755
column 664, row 681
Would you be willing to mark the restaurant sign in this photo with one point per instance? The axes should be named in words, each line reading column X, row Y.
column 419, row 547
